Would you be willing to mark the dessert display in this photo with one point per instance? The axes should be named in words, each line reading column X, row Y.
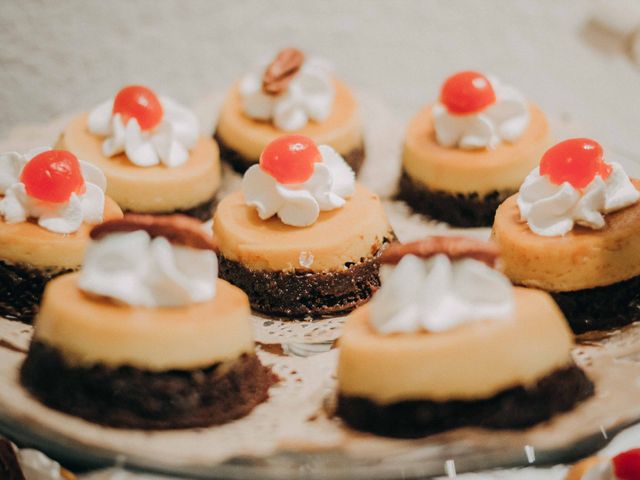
column 574, row 231
column 448, row 342
column 146, row 336
column 471, row 150
column 290, row 93
column 48, row 201
column 624, row 466
column 302, row 238
column 150, row 149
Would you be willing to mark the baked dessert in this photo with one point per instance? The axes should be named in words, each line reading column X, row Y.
column 150, row 149
column 574, row 231
column 472, row 149
column 290, row 92
column 48, row 202
column 302, row 239
column 146, row 336
column 624, row 466
column 28, row 464
column 447, row 342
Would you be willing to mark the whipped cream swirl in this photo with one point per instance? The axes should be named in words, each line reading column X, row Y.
column 135, row 269
column 58, row 217
column 552, row 210
column 601, row 471
column 505, row 120
column 439, row 294
column 168, row 143
column 309, row 96
column 300, row 204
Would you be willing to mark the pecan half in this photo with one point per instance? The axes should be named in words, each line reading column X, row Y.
column 178, row 229
column 453, row 247
column 281, row 71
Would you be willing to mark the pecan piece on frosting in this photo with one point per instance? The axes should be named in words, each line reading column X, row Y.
column 281, row 71
column 454, row 247
column 178, row 229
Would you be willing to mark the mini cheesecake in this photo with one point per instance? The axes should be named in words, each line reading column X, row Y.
column 294, row 261
column 592, row 270
column 624, row 466
column 466, row 154
column 406, row 372
column 250, row 117
column 135, row 354
column 155, row 172
column 42, row 238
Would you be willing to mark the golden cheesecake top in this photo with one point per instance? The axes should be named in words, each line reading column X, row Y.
column 342, row 130
column 156, row 189
column 29, row 244
column 473, row 361
column 468, row 171
column 583, row 258
column 347, row 234
column 93, row 330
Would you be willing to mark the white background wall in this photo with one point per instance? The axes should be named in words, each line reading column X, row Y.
column 61, row 56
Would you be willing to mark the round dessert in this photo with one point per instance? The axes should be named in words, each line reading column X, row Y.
column 574, row 231
column 447, row 342
column 146, row 336
column 302, row 239
column 292, row 93
column 467, row 153
column 155, row 160
column 624, row 466
column 48, row 202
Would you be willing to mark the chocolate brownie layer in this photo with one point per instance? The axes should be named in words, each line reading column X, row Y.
column 516, row 407
column 601, row 308
column 300, row 294
column 457, row 209
column 9, row 466
column 127, row 397
column 202, row 212
column 355, row 158
column 21, row 289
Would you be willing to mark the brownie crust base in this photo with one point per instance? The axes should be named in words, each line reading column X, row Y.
column 456, row 209
column 601, row 308
column 517, row 407
column 127, row 397
column 21, row 289
column 202, row 211
column 304, row 294
column 240, row 163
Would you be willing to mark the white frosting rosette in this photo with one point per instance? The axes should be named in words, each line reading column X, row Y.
column 439, row 294
column 553, row 210
column 309, row 96
column 134, row 269
column 59, row 217
column 505, row 120
column 168, row 143
column 300, row 204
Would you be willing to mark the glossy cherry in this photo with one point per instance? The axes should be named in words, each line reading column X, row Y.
column 467, row 92
column 626, row 465
column 290, row 158
column 136, row 101
column 577, row 161
column 53, row 176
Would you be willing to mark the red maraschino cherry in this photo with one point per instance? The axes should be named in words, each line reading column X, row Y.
column 577, row 161
column 53, row 176
column 626, row 466
column 467, row 92
column 290, row 158
column 136, row 101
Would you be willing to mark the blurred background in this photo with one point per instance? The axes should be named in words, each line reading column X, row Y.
column 62, row 56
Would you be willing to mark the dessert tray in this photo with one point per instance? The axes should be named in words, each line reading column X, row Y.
column 294, row 433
